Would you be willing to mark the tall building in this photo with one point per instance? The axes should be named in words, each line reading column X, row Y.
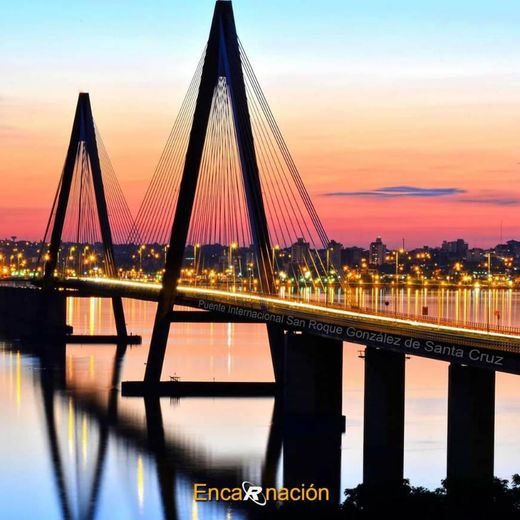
column 377, row 252
column 514, row 247
column 475, row 255
column 300, row 252
column 352, row 256
column 456, row 249
column 334, row 255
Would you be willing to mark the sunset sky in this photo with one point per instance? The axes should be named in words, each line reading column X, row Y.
column 402, row 116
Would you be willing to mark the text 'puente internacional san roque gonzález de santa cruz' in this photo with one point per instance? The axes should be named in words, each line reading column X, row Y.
column 226, row 177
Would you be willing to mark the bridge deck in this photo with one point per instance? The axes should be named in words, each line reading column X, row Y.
column 322, row 319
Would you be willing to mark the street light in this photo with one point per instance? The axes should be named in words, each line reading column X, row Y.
column 69, row 257
column 83, row 254
column 140, row 251
column 232, row 246
column 275, row 248
column 195, row 267
column 306, row 276
column 401, row 251
column 490, row 278
column 329, row 251
column 488, row 254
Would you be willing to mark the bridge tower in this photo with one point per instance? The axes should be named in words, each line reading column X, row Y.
column 222, row 59
column 83, row 133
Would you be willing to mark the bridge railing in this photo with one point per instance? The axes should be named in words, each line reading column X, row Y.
column 486, row 326
column 229, row 295
column 433, row 320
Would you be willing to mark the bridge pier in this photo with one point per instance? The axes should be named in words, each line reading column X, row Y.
column 313, row 420
column 383, row 435
column 276, row 338
column 28, row 313
column 313, row 456
column 313, row 370
column 471, row 434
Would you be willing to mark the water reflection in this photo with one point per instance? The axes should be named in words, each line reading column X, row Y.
column 98, row 443
column 126, row 458
column 495, row 306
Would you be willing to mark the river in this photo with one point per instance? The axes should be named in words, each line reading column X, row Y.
column 63, row 457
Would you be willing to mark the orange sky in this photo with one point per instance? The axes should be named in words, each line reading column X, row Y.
column 357, row 116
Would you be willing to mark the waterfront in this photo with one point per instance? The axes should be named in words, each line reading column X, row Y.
column 220, row 439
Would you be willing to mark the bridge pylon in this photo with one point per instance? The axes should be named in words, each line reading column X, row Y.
column 83, row 134
column 222, row 59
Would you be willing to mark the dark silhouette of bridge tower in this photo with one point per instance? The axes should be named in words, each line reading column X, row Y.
column 222, row 59
column 83, row 134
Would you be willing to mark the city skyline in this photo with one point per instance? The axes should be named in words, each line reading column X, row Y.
column 402, row 122
column 365, row 244
column 20, row 258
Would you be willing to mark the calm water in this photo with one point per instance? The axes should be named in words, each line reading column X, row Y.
column 64, row 455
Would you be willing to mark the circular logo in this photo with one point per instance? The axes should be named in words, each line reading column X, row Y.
column 254, row 493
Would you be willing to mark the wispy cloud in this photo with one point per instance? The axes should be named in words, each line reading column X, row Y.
column 494, row 201
column 392, row 192
column 457, row 195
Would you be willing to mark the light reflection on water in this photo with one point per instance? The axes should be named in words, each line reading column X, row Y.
column 467, row 305
column 110, row 469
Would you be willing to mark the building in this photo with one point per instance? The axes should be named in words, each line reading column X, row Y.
column 456, row 249
column 514, row 248
column 300, row 252
column 475, row 255
column 352, row 256
column 333, row 257
column 502, row 250
column 377, row 252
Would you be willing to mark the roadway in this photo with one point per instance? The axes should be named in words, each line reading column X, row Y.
column 497, row 348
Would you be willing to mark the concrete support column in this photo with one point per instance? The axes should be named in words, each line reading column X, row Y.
column 313, row 456
column 383, row 435
column 312, row 415
column 276, row 338
column 471, row 430
column 313, row 376
column 30, row 313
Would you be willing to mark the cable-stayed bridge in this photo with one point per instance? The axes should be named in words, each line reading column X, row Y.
column 226, row 177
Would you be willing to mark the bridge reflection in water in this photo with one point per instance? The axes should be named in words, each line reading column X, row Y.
column 471, row 406
column 96, row 441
